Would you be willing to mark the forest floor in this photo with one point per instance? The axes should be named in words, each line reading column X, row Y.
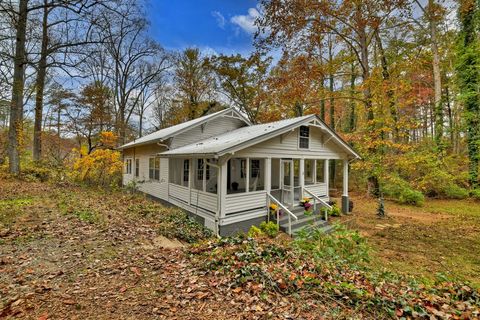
column 441, row 237
column 75, row 253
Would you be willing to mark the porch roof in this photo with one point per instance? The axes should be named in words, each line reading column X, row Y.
column 247, row 136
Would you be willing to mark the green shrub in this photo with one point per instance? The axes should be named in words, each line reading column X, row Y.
column 335, row 211
column 456, row 192
column 269, row 228
column 177, row 224
column 343, row 245
column 398, row 189
column 37, row 173
column 254, row 232
column 475, row 194
column 410, row 196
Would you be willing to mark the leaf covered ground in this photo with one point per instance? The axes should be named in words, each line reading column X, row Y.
column 441, row 237
column 76, row 253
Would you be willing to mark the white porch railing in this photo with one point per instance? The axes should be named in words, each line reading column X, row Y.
column 315, row 199
column 277, row 212
column 193, row 197
column 245, row 201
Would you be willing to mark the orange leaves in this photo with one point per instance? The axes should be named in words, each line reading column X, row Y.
column 108, row 139
column 102, row 166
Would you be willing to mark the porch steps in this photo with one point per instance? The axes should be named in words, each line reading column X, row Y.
column 315, row 220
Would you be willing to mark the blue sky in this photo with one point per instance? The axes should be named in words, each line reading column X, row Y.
column 214, row 26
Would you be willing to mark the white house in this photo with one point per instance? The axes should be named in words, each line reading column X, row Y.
column 226, row 171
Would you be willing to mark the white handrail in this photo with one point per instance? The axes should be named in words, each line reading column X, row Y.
column 317, row 198
column 290, row 214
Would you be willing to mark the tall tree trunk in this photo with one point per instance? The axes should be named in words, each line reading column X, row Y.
column 40, row 88
column 331, row 86
column 373, row 183
column 468, row 66
column 16, row 105
column 451, row 124
column 390, row 94
column 322, row 101
column 351, row 116
column 437, row 79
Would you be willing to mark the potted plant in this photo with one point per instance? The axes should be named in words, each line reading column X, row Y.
column 273, row 211
column 305, row 203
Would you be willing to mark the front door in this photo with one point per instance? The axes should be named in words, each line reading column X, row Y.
column 287, row 181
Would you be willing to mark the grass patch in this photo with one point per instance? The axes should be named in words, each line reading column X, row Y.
column 10, row 209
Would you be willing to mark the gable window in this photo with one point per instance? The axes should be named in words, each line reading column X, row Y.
column 200, row 164
column 128, row 166
column 154, row 168
column 137, row 168
column 304, row 137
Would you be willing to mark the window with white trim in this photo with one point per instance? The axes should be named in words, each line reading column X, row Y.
column 186, row 169
column 137, row 168
column 154, row 168
column 128, row 166
column 200, row 164
column 304, row 137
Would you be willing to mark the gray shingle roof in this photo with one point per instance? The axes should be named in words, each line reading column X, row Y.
column 222, row 143
column 166, row 133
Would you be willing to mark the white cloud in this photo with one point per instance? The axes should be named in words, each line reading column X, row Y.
column 220, row 19
column 247, row 22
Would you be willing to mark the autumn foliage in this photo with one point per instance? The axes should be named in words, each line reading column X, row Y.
column 102, row 167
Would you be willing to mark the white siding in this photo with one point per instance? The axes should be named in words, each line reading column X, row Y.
column 212, row 128
column 286, row 146
column 319, row 190
column 155, row 188
column 239, row 202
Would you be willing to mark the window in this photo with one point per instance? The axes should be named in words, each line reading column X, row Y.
column 304, row 137
column 255, row 168
column 243, row 168
column 137, row 168
column 154, row 168
column 320, row 171
column 186, row 166
column 128, row 166
column 200, row 164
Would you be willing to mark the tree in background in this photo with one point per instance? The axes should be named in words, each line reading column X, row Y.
column 16, row 104
column 195, row 85
column 468, row 71
column 244, row 82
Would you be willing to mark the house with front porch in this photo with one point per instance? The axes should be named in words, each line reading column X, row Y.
column 227, row 172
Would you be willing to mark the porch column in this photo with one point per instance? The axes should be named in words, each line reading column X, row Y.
column 268, row 174
column 314, row 172
column 204, row 175
column 301, row 178
column 345, row 201
column 222, row 187
column 190, row 180
column 247, row 174
column 326, row 177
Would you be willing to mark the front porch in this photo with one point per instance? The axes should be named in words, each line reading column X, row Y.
column 239, row 190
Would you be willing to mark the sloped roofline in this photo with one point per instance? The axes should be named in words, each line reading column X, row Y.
column 182, row 127
column 266, row 136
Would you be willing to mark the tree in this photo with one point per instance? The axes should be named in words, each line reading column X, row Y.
column 91, row 115
column 243, row 81
column 355, row 23
column 468, row 70
column 16, row 105
column 56, row 44
column 195, row 84
column 128, row 49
